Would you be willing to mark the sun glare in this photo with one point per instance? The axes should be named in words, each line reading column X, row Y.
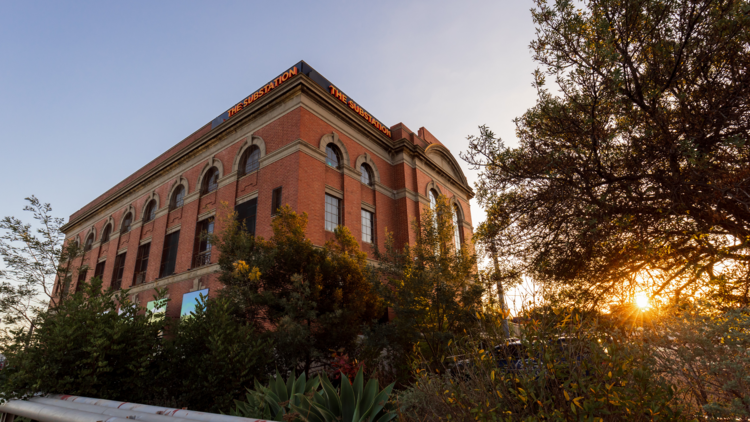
column 641, row 300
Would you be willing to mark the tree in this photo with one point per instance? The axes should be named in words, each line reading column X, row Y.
column 34, row 257
column 213, row 358
column 634, row 174
column 96, row 343
column 432, row 286
column 309, row 300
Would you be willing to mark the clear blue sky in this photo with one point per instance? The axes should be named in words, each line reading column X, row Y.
column 92, row 91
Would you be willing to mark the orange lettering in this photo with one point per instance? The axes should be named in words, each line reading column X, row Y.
column 293, row 71
column 285, row 76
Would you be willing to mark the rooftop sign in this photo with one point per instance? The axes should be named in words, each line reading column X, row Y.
column 305, row 69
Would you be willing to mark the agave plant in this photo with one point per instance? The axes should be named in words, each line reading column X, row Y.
column 275, row 401
column 356, row 402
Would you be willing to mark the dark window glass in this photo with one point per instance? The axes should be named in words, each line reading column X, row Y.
column 366, row 177
column 246, row 213
column 178, row 198
column 141, row 263
column 368, row 226
column 99, row 271
column 333, row 212
column 106, row 232
column 333, row 156
column 81, row 279
column 250, row 160
column 126, row 223
column 211, row 180
column 275, row 200
column 202, row 248
column 169, row 254
column 89, row 243
column 117, row 273
column 150, row 213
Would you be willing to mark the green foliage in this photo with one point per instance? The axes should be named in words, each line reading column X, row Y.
column 629, row 174
column 563, row 369
column 705, row 355
column 86, row 347
column 37, row 270
column 352, row 403
column 433, row 289
column 275, row 401
column 305, row 400
column 309, row 300
column 213, row 357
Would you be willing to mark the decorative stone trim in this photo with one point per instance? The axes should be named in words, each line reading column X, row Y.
column 173, row 229
column 206, row 215
column 334, row 192
column 368, row 207
column 144, row 241
column 333, row 138
column 247, row 197
column 176, row 278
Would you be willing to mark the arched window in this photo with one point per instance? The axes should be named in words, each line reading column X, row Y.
column 210, row 181
column 178, row 198
column 433, row 198
column 150, row 213
column 333, row 156
column 366, row 177
column 126, row 222
column 89, row 243
column 250, row 160
column 105, row 233
column 456, row 229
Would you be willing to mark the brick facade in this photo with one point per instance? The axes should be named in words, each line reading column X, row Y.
column 291, row 125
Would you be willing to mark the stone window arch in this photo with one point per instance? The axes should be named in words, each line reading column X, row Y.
column 107, row 230
column 126, row 222
column 333, row 156
column 89, row 241
column 366, row 160
column 209, row 178
column 178, row 193
column 255, row 142
column 150, row 207
column 333, row 138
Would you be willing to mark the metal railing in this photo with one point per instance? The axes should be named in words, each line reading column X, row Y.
column 65, row 408
column 202, row 258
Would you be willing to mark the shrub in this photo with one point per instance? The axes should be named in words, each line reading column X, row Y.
column 213, row 358
column 561, row 372
column 86, row 347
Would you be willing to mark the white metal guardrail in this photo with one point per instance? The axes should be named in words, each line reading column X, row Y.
column 66, row 408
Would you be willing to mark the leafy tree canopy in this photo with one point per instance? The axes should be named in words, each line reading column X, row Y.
column 308, row 299
column 634, row 173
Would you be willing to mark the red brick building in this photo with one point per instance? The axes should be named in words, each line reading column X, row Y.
column 299, row 141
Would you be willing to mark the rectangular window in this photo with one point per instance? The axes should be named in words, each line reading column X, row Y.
column 99, row 271
column 202, row 255
column 246, row 213
column 333, row 212
column 141, row 264
column 368, row 227
column 117, row 273
column 81, row 279
column 169, row 254
column 275, row 200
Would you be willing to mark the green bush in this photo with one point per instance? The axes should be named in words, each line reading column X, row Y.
column 213, row 358
column 304, row 400
column 564, row 371
column 86, row 347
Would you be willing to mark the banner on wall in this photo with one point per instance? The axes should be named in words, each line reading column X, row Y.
column 189, row 300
